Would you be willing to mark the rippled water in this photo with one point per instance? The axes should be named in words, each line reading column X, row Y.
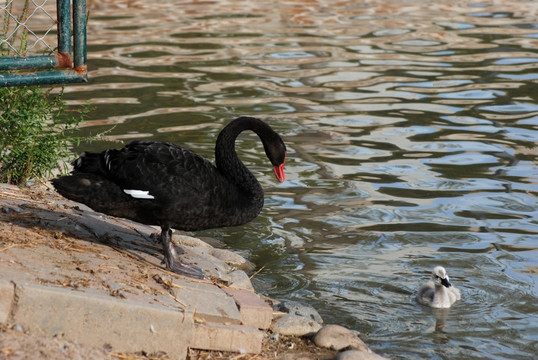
column 411, row 127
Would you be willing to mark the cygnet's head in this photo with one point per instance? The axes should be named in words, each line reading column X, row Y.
column 440, row 277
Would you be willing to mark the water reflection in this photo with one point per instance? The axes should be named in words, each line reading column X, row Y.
column 411, row 131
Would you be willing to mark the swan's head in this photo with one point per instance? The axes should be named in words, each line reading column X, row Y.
column 275, row 149
column 440, row 278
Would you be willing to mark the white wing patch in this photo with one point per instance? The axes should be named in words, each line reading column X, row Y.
column 139, row 194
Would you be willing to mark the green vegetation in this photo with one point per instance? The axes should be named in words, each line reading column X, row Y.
column 36, row 130
column 36, row 134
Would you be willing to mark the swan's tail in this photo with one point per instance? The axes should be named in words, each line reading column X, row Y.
column 88, row 182
column 95, row 191
column 91, row 163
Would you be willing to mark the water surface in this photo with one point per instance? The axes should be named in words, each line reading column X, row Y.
column 411, row 129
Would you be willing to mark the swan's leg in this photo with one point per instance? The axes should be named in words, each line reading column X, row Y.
column 171, row 258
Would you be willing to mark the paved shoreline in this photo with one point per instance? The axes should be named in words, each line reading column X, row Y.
column 70, row 274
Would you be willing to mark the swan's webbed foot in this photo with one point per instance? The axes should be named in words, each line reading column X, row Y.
column 171, row 258
column 189, row 270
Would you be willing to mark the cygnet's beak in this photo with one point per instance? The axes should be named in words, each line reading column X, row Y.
column 445, row 283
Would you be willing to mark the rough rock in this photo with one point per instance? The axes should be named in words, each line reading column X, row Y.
column 189, row 241
column 301, row 310
column 232, row 259
column 199, row 256
column 229, row 257
column 337, row 337
column 295, row 325
column 238, row 279
column 299, row 320
column 358, row 355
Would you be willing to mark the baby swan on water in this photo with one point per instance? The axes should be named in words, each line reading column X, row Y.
column 438, row 292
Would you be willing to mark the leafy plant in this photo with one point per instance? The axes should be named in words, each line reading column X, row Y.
column 36, row 133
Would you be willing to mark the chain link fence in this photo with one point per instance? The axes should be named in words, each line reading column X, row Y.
column 28, row 27
column 42, row 42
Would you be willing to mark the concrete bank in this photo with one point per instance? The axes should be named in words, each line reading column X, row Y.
column 81, row 278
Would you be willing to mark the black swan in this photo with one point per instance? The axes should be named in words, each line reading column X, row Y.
column 162, row 184
column 438, row 292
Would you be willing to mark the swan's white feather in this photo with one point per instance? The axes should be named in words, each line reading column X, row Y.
column 139, row 194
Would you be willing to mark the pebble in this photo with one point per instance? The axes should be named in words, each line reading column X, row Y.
column 18, row 328
column 337, row 337
column 358, row 355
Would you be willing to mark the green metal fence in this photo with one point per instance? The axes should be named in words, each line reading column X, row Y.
column 42, row 42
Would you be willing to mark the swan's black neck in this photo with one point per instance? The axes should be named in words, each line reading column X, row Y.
column 226, row 157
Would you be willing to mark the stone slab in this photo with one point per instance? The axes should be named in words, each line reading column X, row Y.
column 239, row 279
column 78, row 276
column 102, row 321
column 254, row 311
column 219, row 337
column 207, row 302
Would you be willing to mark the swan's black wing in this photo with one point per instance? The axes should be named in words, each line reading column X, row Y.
column 184, row 189
column 165, row 171
column 159, row 184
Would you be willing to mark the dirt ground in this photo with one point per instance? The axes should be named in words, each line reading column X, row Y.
column 15, row 345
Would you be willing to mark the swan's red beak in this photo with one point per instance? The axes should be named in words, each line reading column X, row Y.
column 279, row 172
